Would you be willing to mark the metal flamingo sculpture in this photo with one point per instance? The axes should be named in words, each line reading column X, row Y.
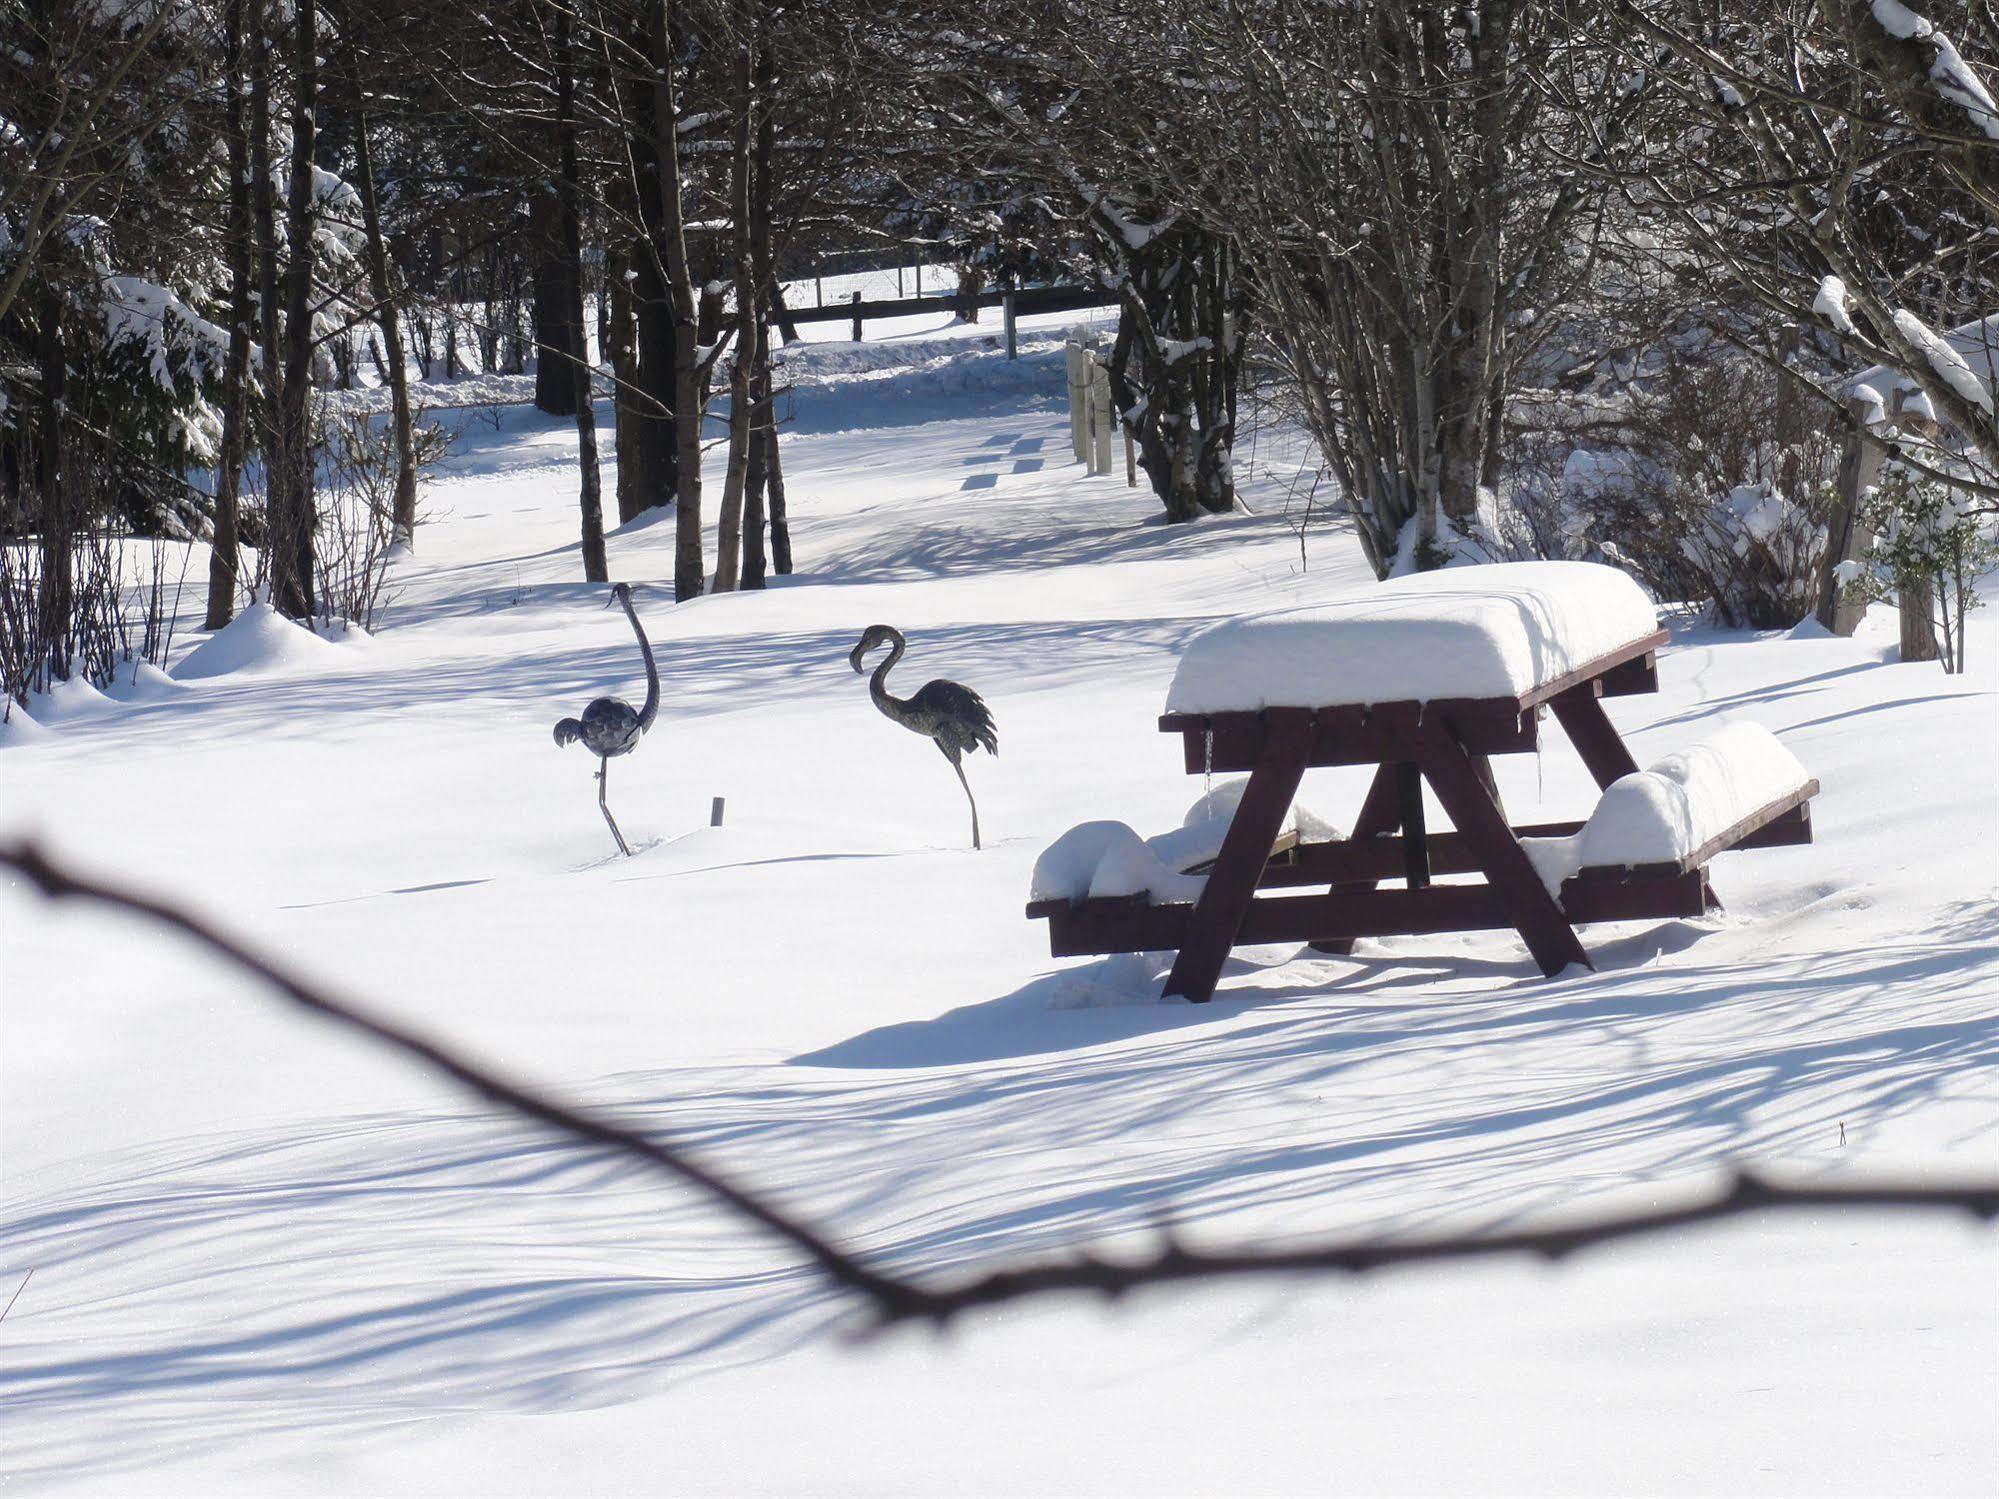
column 953, row 716
column 608, row 726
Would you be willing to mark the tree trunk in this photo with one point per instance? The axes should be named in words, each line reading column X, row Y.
column 1847, row 536
column 1915, row 603
column 489, row 324
column 555, row 355
column 1174, row 365
column 971, row 281
column 729, row 521
column 596, row 568
column 762, row 438
column 780, row 517
column 671, row 243
column 756, row 472
column 292, row 521
column 382, row 288
column 654, row 453
column 264, row 216
column 224, row 561
column 57, row 522
column 621, row 353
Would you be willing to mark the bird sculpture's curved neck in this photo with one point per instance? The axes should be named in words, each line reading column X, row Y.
column 878, row 683
column 651, row 709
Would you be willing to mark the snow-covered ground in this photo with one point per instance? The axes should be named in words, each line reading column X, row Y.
column 882, row 338
column 260, row 1257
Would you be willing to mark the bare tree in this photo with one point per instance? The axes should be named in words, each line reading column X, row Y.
column 1838, row 164
column 1390, row 175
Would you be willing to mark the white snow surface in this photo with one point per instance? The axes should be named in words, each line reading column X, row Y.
column 257, row 640
column 1498, row 630
column 268, row 1259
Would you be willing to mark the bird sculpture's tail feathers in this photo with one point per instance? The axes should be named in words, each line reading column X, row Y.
column 569, row 731
column 984, row 730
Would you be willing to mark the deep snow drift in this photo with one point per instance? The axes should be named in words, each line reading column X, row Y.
column 265, row 1258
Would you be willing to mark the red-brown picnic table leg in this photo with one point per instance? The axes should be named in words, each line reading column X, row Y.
column 1231, row 885
column 1536, row 915
column 1580, row 712
column 1380, row 814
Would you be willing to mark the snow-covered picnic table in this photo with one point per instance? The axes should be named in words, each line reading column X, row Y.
column 1425, row 678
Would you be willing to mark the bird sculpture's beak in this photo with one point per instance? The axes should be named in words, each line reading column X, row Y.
column 854, row 657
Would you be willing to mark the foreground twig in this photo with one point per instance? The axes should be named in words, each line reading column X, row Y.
column 895, row 1299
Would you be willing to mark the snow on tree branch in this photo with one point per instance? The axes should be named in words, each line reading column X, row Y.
column 1949, row 74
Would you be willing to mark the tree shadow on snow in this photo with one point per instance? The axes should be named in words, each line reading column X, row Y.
column 338, row 1276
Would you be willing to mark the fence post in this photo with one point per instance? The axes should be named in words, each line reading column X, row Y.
column 1130, row 462
column 1006, row 304
column 819, row 289
column 1078, row 398
column 1100, row 391
column 857, row 317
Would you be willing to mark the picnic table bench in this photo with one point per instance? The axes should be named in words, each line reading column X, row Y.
column 1425, row 678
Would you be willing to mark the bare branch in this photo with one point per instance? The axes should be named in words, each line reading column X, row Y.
column 893, row 1298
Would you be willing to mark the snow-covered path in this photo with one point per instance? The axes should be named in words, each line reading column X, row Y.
column 265, row 1258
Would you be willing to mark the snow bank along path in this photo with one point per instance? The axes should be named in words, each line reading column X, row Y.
column 268, row 1261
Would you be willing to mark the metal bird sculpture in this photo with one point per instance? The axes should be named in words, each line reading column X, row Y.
column 609, row 727
column 950, row 714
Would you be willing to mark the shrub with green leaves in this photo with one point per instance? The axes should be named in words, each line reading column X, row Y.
column 1926, row 534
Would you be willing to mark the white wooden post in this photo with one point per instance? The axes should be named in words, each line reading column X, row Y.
column 1106, row 418
column 1078, row 400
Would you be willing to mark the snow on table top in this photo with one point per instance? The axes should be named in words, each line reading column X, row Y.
column 1662, row 814
column 1498, row 630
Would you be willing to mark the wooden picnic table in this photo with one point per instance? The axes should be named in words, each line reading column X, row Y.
column 1446, row 744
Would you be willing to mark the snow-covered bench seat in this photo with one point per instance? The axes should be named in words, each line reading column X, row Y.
column 1738, row 787
column 1109, row 861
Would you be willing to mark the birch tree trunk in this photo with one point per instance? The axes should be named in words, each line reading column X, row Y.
column 382, row 289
